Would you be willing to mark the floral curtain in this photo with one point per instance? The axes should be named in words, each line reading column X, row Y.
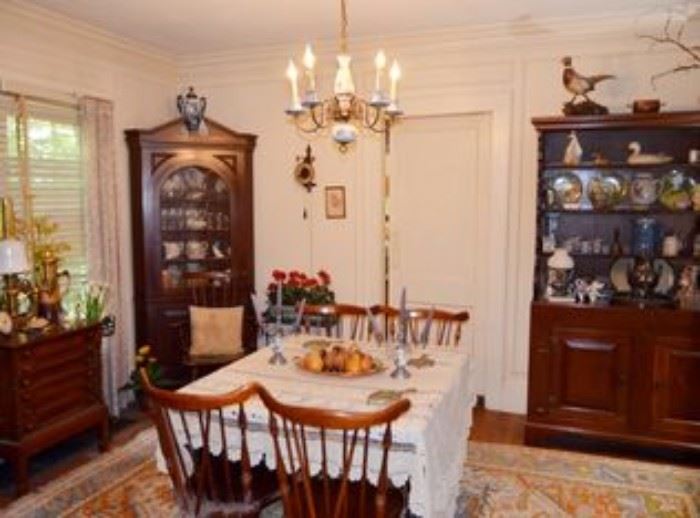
column 103, row 246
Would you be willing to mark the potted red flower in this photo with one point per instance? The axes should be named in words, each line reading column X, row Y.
column 297, row 286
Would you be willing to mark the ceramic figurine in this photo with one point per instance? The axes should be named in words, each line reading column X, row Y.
column 573, row 152
column 600, row 159
column 643, row 277
column 687, row 281
column 637, row 157
column 580, row 291
column 594, row 291
column 5, row 323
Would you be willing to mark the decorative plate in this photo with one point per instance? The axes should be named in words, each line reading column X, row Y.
column 568, row 190
column 618, row 275
column 607, row 190
column 676, row 190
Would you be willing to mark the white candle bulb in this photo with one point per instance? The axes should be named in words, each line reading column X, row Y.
column 292, row 75
column 395, row 75
column 309, row 61
column 379, row 65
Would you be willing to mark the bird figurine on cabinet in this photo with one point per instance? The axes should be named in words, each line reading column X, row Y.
column 580, row 86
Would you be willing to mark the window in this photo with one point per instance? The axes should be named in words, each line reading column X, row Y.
column 55, row 172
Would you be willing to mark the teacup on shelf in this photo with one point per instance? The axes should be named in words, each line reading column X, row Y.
column 196, row 250
column 172, row 249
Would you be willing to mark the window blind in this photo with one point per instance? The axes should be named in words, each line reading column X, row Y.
column 55, row 171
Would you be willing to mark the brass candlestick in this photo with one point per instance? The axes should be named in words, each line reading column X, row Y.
column 49, row 287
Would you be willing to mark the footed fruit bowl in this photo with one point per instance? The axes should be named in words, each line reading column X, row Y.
column 337, row 360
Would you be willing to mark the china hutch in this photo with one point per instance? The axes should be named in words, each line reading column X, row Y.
column 191, row 212
column 624, row 368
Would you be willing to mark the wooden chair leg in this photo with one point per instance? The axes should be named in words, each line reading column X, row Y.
column 104, row 435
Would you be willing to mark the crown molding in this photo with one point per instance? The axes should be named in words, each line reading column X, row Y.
column 63, row 23
column 531, row 32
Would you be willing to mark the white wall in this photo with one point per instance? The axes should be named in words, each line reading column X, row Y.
column 510, row 71
column 48, row 55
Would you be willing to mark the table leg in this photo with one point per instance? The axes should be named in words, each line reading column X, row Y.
column 20, row 469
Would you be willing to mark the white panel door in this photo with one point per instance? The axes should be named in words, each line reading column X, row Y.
column 438, row 170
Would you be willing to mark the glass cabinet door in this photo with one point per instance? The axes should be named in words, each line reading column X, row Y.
column 195, row 220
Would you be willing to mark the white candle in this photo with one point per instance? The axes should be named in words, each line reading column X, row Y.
column 395, row 74
column 292, row 75
column 279, row 302
column 379, row 65
column 309, row 61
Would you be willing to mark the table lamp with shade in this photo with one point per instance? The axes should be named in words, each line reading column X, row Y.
column 13, row 261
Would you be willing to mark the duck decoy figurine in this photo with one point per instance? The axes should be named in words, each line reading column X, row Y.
column 580, row 85
column 637, row 157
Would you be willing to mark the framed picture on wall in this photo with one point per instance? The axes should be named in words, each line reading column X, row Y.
column 335, row 202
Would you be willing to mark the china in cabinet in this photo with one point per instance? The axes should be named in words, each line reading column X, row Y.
column 621, row 366
column 192, row 212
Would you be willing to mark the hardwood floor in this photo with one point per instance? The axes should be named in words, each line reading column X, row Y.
column 501, row 427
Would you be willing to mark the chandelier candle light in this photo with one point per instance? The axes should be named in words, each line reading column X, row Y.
column 344, row 112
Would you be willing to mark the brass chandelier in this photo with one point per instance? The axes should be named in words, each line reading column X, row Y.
column 344, row 112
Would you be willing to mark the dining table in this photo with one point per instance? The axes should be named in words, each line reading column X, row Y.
column 429, row 444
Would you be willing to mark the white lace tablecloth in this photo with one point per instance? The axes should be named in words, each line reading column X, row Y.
column 429, row 441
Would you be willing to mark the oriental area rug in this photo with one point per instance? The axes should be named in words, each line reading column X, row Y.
column 499, row 481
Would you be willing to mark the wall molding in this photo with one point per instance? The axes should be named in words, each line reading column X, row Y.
column 66, row 24
column 503, row 34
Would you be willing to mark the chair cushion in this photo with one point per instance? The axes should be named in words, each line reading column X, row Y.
column 216, row 331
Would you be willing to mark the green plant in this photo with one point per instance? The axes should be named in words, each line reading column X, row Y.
column 94, row 300
column 42, row 234
column 144, row 360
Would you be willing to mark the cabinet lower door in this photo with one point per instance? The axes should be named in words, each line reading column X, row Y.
column 676, row 399
column 588, row 378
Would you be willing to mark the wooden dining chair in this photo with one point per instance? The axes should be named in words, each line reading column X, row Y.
column 212, row 289
column 311, row 491
column 344, row 321
column 445, row 327
column 387, row 319
column 195, row 438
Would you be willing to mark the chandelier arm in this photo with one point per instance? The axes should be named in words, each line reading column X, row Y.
column 307, row 130
column 320, row 123
column 372, row 123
